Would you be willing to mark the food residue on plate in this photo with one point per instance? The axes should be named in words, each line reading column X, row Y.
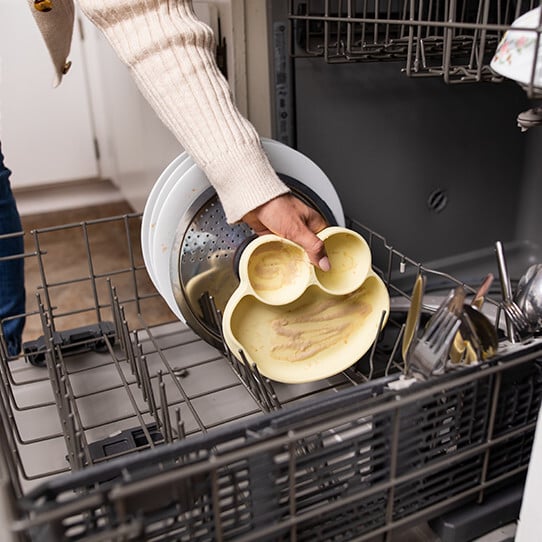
column 318, row 324
column 275, row 266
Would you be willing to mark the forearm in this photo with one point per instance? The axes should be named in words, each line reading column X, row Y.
column 171, row 55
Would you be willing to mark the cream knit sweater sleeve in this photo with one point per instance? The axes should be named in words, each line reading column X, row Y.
column 171, row 56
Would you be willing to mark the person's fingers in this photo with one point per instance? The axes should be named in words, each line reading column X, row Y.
column 314, row 247
column 288, row 217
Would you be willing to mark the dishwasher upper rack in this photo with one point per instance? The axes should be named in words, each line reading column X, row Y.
column 148, row 363
column 452, row 39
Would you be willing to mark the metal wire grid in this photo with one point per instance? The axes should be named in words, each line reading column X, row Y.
column 173, row 386
column 150, row 365
column 137, row 347
column 452, row 39
column 353, row 467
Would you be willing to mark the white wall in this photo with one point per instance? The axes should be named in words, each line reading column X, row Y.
column 47, row 134
column 134, row 144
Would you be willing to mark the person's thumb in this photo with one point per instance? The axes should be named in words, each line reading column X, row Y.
column 315, row 249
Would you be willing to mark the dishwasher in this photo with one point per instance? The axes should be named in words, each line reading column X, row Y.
column 133, row 428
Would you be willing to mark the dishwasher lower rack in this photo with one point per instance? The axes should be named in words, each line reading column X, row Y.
column 145, row 432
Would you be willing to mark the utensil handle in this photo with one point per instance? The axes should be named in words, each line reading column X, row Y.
column 478, row 299
column 506, row 288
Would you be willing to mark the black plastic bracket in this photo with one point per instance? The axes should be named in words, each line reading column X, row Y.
column 71, row 342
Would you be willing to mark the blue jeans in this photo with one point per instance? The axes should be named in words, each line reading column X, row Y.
column 12, row 292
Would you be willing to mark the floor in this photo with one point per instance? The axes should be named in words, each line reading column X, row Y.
column 65, row 264
column 79, row 292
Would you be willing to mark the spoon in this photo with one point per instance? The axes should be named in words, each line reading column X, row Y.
column 528, row 296
column 467, row 346
column 484, row 331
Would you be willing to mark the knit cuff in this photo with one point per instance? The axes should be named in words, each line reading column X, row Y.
column 244, row 179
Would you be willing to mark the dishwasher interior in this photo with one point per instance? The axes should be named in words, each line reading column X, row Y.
column 396, row 102
column 135, row 430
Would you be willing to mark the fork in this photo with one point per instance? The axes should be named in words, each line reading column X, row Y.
column 515, row 315
column 430, row 352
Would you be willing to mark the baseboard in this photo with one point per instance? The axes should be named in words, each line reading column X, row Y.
column 66, row 196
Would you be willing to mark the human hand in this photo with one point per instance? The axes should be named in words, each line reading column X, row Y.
column 290, row 218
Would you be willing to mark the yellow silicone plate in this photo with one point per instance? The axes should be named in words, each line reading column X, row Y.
column 316, row 335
